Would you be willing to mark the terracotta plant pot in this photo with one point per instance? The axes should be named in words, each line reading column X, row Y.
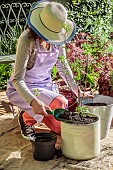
column 43, row 146
column 68, row 94
column 72, row 100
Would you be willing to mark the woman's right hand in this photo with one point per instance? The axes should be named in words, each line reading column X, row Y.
column 39, row 107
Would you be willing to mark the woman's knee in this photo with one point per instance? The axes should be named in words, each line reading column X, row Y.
column 59, row 102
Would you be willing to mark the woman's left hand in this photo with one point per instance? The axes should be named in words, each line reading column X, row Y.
column 86, row 94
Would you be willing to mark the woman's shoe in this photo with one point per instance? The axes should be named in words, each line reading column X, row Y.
column 26, row 131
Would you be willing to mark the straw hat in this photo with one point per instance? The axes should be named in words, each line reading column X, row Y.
column 49, row 21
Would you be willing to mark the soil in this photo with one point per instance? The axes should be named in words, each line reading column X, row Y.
column 43, row 140
column 96, row 104
column 44, row 137
column 73, row 117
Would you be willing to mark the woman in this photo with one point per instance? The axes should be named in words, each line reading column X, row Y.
column 38, row 49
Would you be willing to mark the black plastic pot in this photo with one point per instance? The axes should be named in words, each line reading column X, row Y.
column 43, row 146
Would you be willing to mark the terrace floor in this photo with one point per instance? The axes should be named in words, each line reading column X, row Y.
column 16, row 152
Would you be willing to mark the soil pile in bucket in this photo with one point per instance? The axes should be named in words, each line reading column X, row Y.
column 43, row 140
column 96, row 104
column 75, row 118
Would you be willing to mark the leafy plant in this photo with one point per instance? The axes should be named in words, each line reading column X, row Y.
column 36, row 91
column 81, row 63
column 54, row 73
column 82, row 110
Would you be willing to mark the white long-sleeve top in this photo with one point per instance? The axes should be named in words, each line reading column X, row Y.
column 25, row 59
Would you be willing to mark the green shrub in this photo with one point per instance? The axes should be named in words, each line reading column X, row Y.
column 8, row 42
column 8, row 46
column 5, row 72
column 89, row 14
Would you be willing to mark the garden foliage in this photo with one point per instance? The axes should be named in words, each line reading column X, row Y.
column 89, row 14
column 91, row 56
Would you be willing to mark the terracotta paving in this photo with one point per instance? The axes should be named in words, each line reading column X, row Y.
column 5, row 106
column 4, row 103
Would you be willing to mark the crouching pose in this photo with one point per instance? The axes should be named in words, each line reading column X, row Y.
column 39, row 47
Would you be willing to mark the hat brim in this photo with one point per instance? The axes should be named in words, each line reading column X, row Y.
column 37, row 26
